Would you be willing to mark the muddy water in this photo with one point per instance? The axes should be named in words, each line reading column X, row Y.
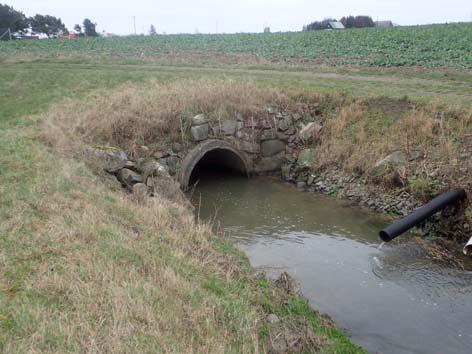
column 389, row 300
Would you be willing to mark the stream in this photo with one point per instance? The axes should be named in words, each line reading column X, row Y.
column 389, row 298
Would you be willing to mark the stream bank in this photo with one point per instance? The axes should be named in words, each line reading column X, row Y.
column 390, row 299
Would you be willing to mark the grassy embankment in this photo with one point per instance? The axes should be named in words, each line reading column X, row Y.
column 83, row 268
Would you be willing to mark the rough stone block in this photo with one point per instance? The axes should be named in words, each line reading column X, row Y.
column 129, row 178
column 199, row 132
column 228, row 127
column 272, row 147
column 199, row 120
column 269, row 164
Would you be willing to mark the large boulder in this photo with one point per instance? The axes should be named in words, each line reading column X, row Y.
column 129, row 178
column 199, row 132
column 308, row 132
column 306, row 158
column 272, row 147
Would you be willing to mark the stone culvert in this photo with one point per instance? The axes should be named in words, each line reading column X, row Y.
column 276, row 143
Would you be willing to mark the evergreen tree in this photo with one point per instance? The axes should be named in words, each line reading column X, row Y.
column 90, row 28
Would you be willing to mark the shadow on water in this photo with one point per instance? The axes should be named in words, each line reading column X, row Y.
column 390, row 299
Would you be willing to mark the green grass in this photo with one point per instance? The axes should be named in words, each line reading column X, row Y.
column 446, row 45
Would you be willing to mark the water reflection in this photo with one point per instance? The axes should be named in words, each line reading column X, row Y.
column 391, row 299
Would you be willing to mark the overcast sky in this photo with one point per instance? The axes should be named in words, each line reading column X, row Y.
column 188, row 16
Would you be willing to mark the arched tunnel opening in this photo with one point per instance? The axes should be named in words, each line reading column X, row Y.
column 218, row 163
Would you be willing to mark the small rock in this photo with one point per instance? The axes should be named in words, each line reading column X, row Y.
column 149, row 167
column 301, row 185
column 128, row 177
column 171, row 163
column 310, row 180
column 150, row 182
column 199, row 132
column 161, row 154
column 130, row 164
column 199, row 120
column 216, row 131
column 144, row 149
column 114, row 161
column 268, row 134
column 285, row 123
column 273, row 318
column 291, row 131
column 140, row 190
column 306, row 158
column 177, row 147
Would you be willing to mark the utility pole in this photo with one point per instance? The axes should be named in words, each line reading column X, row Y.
column 134, row 21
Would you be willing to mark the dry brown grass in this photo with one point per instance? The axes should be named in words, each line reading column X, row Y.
column 155, row 114
column 357, row 132
column 128, row 276
column 433, row 139
column 114, row 276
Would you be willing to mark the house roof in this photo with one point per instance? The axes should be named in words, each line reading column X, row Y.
column 336, row 25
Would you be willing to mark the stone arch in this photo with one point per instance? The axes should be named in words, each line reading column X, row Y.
column 223, row 150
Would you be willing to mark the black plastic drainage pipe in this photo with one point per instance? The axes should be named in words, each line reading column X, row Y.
column 421, row 214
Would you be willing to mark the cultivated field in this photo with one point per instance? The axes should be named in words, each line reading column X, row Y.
column 84, row 268
column 428, row 46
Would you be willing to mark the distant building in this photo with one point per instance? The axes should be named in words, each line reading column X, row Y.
column 383, row 24
column 266, row 29
column 335, row 25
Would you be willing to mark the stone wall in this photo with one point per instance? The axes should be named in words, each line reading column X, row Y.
column 278, row 143
column 270, row 144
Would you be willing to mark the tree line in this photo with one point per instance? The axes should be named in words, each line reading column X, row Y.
column 18, row 22
column 347, row 21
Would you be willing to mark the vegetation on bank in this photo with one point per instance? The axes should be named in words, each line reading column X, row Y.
column 85, row 268
column 445, row 45
column 392, row 143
